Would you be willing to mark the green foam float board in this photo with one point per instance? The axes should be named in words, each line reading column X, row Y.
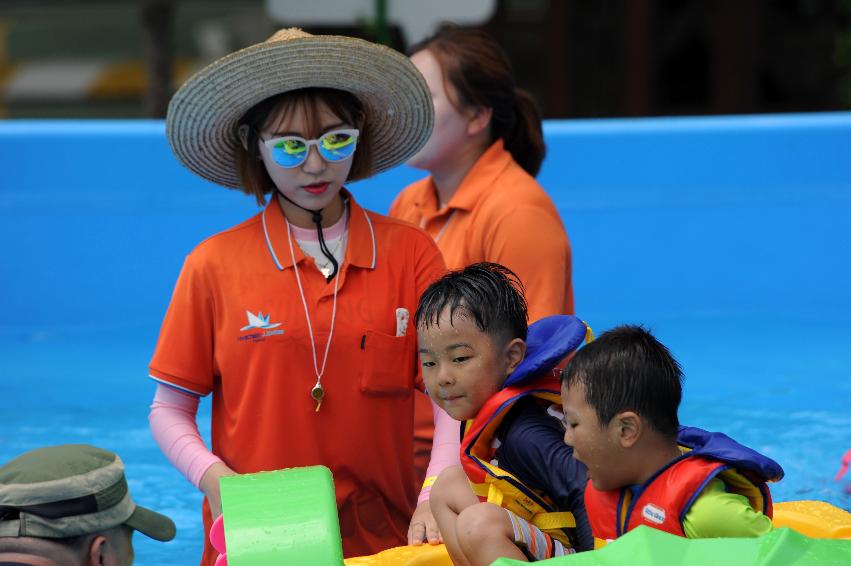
column 281, row 517
column 647, row 546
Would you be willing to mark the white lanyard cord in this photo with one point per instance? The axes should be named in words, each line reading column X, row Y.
column 319, row 372
column 442, row 229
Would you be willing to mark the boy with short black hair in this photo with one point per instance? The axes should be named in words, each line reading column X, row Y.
column 621, row 394
column 481, row 366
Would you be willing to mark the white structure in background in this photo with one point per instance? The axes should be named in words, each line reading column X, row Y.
column 76, row 80
column 417, row 18
column 62, row 79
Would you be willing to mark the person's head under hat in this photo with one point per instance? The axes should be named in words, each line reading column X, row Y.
column 297, row 116
column 70, row 505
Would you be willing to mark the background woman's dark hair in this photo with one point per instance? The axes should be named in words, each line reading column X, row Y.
column 491, row 293
column 252, row 173
column 627, row 369
column 481, row 73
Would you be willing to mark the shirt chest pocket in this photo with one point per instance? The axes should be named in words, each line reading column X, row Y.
column 388, row 365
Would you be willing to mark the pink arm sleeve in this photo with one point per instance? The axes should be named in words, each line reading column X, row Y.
column 445, row 448
column 173, row 425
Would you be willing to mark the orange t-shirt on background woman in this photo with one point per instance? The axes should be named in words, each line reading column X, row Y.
column 500, row 214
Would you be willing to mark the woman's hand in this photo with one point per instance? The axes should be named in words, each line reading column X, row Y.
column 210, row 486
column 423, row 526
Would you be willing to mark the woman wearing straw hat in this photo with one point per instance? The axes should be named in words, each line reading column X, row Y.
column 296, row 320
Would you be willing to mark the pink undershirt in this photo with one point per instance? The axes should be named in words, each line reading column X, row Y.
column 329, row 233
column 175, row 429
column 335, row 240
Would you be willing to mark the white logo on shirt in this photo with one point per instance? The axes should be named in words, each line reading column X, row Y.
column 259, row 321
column 653, row 514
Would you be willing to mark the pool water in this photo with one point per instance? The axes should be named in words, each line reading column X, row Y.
column 781, row 389
column 726, row 236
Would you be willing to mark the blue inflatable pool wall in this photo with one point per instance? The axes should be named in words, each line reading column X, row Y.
column 667, row 217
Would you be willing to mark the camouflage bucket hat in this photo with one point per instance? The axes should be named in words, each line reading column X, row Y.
column 71, row 490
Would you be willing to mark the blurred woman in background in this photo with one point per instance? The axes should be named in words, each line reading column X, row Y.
column 481, row 201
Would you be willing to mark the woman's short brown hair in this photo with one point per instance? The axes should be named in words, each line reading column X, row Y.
column 482, row 76
column 346, row 106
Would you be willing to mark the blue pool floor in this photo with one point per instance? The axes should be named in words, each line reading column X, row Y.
column 781, row 387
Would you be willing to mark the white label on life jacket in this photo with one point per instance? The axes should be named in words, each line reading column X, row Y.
column 653, row 514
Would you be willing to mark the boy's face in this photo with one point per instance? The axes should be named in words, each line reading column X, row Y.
column 595, row 446
column 463, row 366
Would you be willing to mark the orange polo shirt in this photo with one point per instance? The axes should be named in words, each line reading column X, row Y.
column 501, row 214
column 236, row 328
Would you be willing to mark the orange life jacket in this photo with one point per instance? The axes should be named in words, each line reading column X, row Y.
column 664, row 500
column 496, row 485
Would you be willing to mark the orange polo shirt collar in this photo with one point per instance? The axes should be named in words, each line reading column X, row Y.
column 479, row 179
column 361, row 250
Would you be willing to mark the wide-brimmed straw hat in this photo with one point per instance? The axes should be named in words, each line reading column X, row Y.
column 204, row 113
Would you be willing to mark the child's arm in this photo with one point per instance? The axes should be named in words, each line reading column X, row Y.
column 717, row 513
column 450, row 495
column 475, row 533
column 533, row 449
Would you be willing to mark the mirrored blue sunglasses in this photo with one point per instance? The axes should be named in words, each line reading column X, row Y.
column 333, row 146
